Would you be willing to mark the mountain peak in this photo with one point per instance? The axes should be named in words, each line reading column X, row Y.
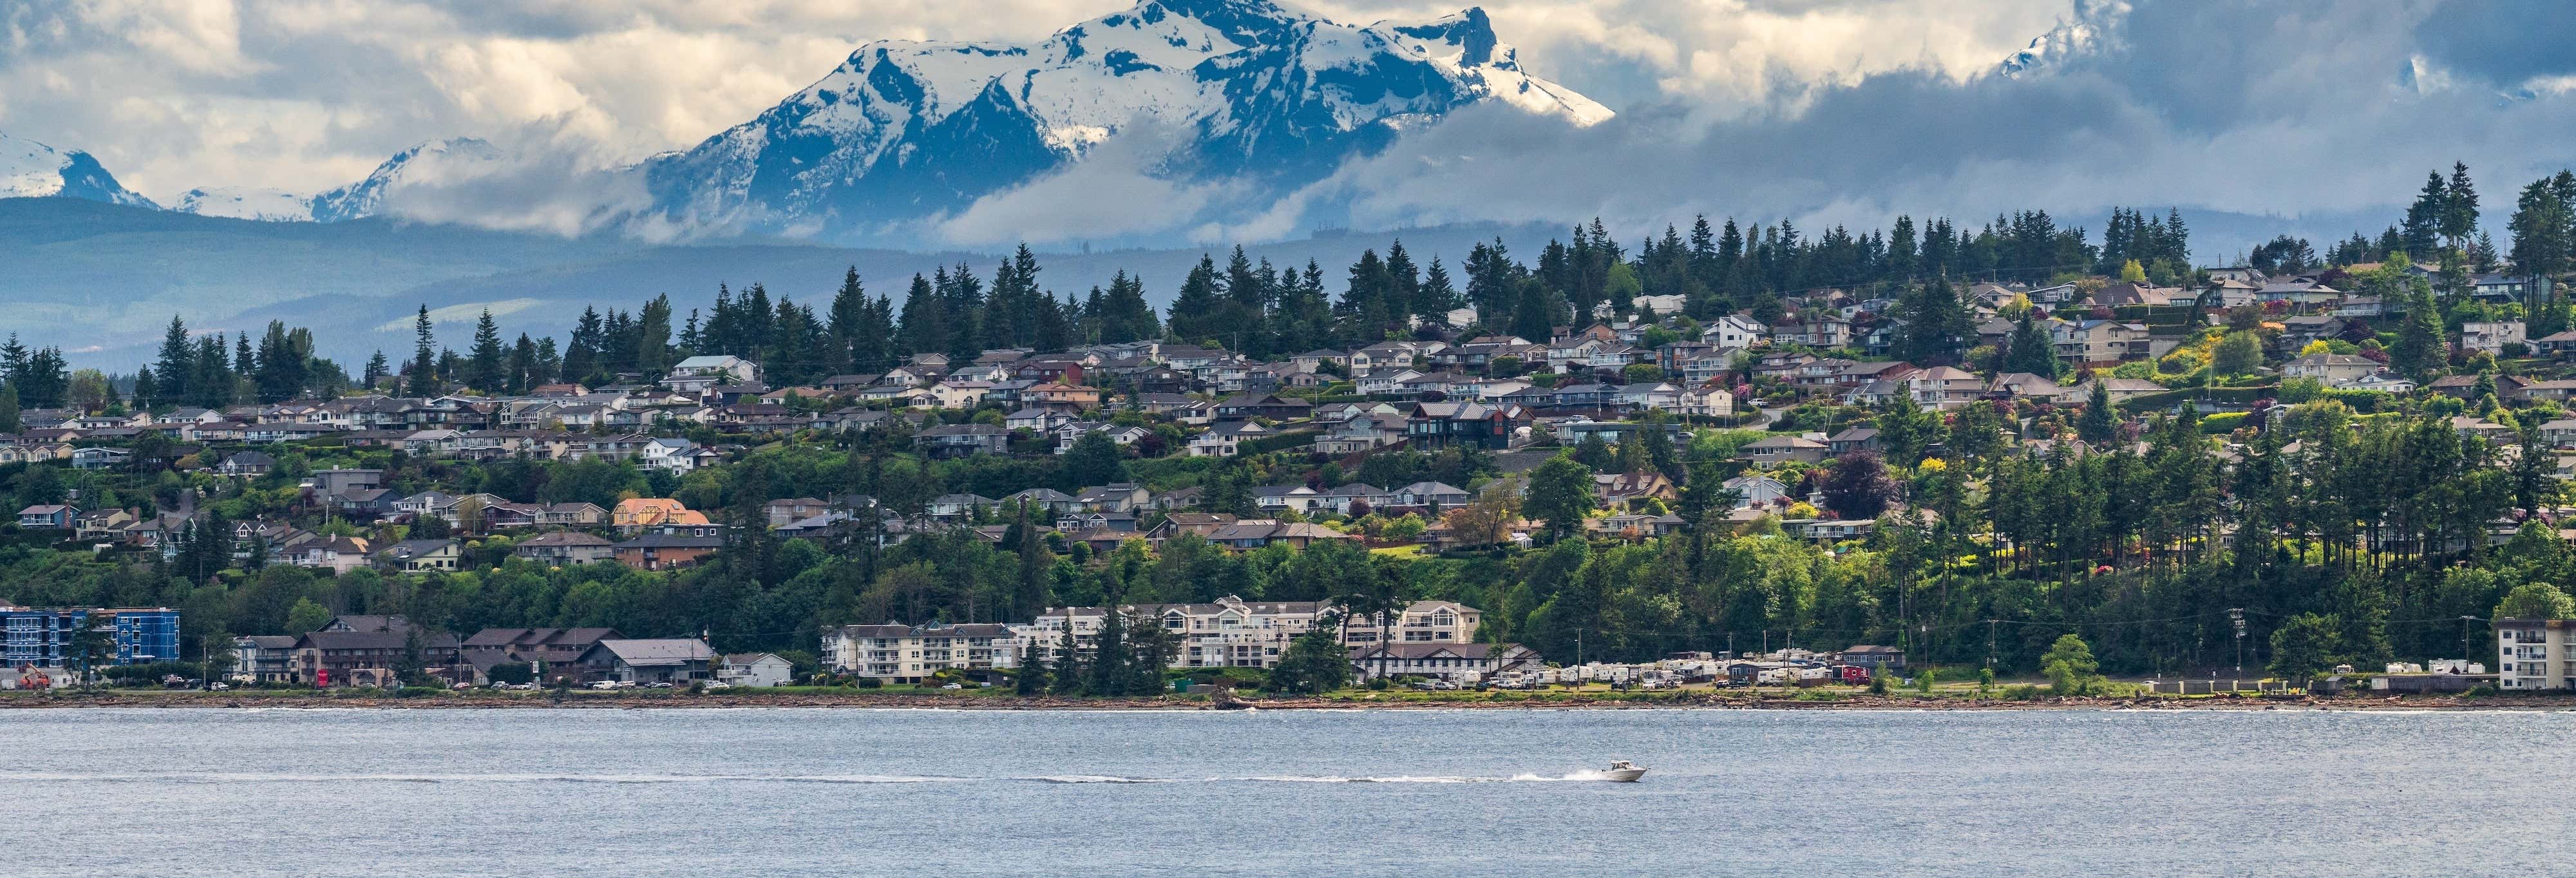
column 426, row 161
column 1242, row 89
column 1470, row 30
column 29, row 169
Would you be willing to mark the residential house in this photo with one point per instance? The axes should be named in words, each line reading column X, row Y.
column 1458, row 662
column 665, row 551
column 565, row 547
column 2086, row 343
column 1224, row 439
column 755, row 669
column 1735, row 332
column 1815, row 331
column 338, row 554
column 421, row 556
column 1852, row 439
column 1781, row 449
column 1360, row 434
column 954, row 507
column 962, row 440
column 1433, row 496
column 246, row 464
column 1758, row 491
column 2330, row 368
column 1944, row 387
column 48, row 516
column 676, row 661
column 1434, row 425
column 2492, row 337
column 635, row 515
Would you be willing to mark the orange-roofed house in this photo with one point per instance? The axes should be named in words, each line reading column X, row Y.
column 638, row 514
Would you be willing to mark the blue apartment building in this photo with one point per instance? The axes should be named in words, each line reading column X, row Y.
column 43, row 637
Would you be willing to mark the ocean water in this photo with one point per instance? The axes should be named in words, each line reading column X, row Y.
column 1399, row 793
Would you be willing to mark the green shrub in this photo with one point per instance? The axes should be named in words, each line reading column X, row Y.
column 418, row 692
column 2023, row 692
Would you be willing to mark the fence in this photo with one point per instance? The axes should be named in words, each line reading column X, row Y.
column 2213, row 687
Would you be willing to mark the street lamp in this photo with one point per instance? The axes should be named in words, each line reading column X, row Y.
column 2237, row 615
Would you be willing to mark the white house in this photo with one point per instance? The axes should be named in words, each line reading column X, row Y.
column 754, row 669
column 727, row 369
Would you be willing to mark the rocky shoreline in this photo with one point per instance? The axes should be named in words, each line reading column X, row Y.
column 1362, row 701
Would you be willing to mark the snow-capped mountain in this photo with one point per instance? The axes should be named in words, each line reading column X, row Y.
column 2086, row 31
column 1243, row 89
column 33, row 170
column 426, row 163
column 246, row 202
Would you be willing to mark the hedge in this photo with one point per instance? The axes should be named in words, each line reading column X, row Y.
column 2167, row 399
column 1268, row 444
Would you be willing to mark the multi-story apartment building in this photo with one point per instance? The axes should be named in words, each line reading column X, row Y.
column 911, row 653
column 1229, row 632
column 46, row 637
column 1420, row 622
column 2536, row 653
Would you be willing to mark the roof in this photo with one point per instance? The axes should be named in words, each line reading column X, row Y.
column 1409, row 651
column 670, row 541
column 498, row 637
column 564, row 538
column 673, row 651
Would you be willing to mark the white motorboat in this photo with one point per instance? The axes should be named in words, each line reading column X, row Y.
column 1623, row 771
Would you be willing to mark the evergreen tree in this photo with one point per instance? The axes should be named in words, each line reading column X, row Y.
column 2421, row 233
column 177, row 364
column 483, row 366
column 1032, row 677
column 2029, row 350
column 424, row 365
column 2459, row 207
column 1935, row 323
column 2419, row 351
column 2100, row 424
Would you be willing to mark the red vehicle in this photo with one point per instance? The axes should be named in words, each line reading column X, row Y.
column 1852, row 675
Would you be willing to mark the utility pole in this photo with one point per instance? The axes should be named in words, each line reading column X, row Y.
column 2464, row 637
column 1990, row 644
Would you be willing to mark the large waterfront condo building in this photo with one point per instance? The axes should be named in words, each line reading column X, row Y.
column 48, row 637
column 2536, row 653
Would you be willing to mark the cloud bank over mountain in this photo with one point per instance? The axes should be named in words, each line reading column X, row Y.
column 1848, row 111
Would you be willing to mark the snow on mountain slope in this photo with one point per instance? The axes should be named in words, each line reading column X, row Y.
column 33, row 170
column 2093, row 23
column 1464, row 42
column 427, row 163
column 250, row 203
column 1242, row 88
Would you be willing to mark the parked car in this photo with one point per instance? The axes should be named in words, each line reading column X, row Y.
column 718, row 684
column 604, row 684
column 219, row 687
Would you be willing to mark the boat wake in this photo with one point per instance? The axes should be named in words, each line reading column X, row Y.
column 604, row 778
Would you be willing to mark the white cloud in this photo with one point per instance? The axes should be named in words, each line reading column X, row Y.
column 304, row 95
column 1823, row 110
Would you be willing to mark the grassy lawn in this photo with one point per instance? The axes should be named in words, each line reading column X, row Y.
column 1406, row 552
